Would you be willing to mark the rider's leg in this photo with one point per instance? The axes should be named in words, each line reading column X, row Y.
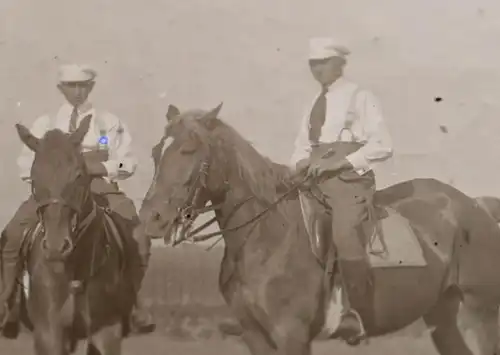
column 349, row 201
column 138, row 252
column 10, row 248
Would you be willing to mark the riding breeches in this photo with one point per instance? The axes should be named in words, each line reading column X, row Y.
column 349, row 196
column 10, row 246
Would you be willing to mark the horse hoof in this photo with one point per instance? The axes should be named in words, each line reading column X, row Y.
column 144, row 329
column 11, row 330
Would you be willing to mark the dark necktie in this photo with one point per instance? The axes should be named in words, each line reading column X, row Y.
column 73, row 120
column 318, row 117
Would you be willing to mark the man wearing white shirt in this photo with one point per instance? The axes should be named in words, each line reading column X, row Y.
column 344, row 112
column 108, row 154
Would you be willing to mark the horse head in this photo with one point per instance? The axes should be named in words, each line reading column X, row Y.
column 60, row 186
column 186, row 176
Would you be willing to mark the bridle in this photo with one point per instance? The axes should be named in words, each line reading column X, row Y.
column 187, row 214
column 79, row 225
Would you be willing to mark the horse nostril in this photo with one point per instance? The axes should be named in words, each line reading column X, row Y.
column 44, row 244
column 67, row 246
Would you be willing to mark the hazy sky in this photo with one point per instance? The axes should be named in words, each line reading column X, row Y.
column 252, row 56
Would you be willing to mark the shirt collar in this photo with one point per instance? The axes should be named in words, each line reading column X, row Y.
column 337, row 83
column 84, row 108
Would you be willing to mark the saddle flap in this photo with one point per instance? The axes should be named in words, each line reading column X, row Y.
column 317, row 220
column 113, row 232
column 390, row 239
column 394, row 243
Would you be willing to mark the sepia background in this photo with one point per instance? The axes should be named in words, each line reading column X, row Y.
column 431, row 64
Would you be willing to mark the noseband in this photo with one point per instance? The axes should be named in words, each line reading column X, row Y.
column 69, row 244
column 187, row 214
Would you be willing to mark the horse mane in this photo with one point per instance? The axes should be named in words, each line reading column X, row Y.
column 262, row 175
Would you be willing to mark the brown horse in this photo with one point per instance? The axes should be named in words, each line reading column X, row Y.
column 491, row 204
column 270, row 277
column 75, row 260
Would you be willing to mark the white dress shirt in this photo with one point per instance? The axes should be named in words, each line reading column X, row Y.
column 121, row 163
column 347, row 103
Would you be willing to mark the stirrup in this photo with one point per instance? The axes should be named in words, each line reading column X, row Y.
column 362, row 331
column 361, row 336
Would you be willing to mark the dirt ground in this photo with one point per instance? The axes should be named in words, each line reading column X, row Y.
column 158, row 345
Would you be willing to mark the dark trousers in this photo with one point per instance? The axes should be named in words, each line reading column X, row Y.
column 10, row 248
column 349, row 196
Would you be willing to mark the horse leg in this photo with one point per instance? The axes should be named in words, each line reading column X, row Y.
column 463, row 326
column 107, row 341
column 293, row 338
column 257, row 343
column 442, row 318
column 49, row 342
column 287, row 337
column 478, row 324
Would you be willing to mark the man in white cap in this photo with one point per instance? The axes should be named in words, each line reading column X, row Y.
column 109, row 157
column 344, row 112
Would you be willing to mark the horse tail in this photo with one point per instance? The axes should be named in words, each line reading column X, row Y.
column 491, row 205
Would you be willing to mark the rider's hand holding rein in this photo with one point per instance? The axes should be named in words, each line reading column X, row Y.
column 326, row 167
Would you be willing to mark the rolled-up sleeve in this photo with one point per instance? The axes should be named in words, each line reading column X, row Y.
column 122, row 162
column 25, row 159
column 378, row 146
column 302, row 145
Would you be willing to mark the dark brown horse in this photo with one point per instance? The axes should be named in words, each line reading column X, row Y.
column 75, row 261
column 269, row 275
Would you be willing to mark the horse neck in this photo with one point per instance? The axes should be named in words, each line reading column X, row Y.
column 238, row 206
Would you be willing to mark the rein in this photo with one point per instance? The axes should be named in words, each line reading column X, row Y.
column 193, row 213
column 188, row 214
column 203, row 237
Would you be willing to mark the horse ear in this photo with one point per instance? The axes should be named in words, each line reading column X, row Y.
column 77, row 136
column 26, row 137
column 210, row 119
column 172, row 112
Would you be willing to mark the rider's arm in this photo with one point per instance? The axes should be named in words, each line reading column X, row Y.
column 302, row 145
column 378, row 145
column 25, row 159
column 122, row 162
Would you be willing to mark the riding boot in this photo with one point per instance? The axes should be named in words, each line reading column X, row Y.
column 358, row 285
column 141, row 319
column 9, row 273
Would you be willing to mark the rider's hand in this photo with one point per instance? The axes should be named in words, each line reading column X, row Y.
column 323, row 167
column 302, row 165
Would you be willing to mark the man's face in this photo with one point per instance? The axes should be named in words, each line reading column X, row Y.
column 76, row 92
column 327, row 70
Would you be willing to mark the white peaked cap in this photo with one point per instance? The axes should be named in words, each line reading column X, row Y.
column 76, row 73
column 326, row 47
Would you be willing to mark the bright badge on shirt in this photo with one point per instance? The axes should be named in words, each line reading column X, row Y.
column 103, row 140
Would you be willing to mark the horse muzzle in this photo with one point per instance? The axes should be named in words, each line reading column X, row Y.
column 155, row 227
column 59, row 252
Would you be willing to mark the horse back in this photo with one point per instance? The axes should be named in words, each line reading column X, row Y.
column 453, row 225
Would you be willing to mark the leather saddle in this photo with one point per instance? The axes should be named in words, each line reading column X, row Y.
column 318, row 221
